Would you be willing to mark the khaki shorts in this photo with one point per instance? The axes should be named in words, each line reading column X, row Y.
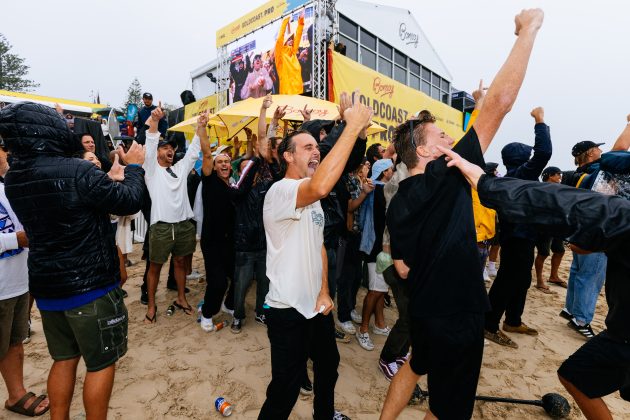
column 165, row 239
column 97, row 331
column 13, row 322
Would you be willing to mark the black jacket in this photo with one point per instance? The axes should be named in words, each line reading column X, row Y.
column 64, row 204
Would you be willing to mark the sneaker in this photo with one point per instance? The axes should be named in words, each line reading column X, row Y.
column 492, row 272
column 144, row 297
column 356, row 318
column 381, row 331
column 521, row 329
column 364, row 340
column 195, row 275
column 418, row 396
column 388, row 369
column 129, row 263
column 347, row 327
column 237, row 324
column 486, row 275
column 307, row 387
column 27, row 339
column 125, row 294
column 261, row 319
column 402, row 360
column 340, row 336
column 500, row 338
column 585, row 330
column 564, row 313
column 206, row 324
column 388, row 300
column 226, row 310
column 339, row 416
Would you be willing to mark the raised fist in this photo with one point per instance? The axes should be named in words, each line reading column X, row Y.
column 528, row 19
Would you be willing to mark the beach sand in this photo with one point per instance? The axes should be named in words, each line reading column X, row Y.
column 175, row 370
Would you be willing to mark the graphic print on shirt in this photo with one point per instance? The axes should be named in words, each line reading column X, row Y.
column 317, row 218
column 7, row 226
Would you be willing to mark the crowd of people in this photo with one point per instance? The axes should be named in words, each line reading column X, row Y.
column 311, row 217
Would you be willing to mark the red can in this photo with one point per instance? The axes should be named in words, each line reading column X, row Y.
column 223, row 407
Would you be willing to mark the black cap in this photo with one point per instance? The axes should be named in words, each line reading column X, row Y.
column 172, row 142
column 147, row 95
column 583, row 146
column 549, row 171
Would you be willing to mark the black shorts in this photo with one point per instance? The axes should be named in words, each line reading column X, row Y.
column 600, row 367
column 546, row 244
column 449, row 349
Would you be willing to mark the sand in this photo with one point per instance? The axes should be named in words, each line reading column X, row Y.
column 174, row 370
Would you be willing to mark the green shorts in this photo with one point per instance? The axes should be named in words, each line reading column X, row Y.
column 179, row 239
column 97, row 331
column 13, row 322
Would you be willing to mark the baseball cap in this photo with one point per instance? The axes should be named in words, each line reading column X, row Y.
column 583, row 146
column 549, row 171
column 221, row 149
column 380, row 166
column 147, row 95
column 172, row 142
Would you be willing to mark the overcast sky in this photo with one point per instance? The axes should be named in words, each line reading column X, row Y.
column 579, row 72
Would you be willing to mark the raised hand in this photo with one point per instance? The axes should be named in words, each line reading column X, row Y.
column 368, row 186
column 202, row 123
column 280, row 112
column 479, row 94
column 135, row 154
column 345, row 102
column 59, row 109
column 358, row 115
column 539, row 114
column 156, row 115
column 117, row 172
column 528, row 20
column 306, row 113
column 267, row 101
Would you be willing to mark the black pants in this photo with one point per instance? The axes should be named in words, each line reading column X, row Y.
column 219, row 263
column 509, row 290
column 293, row 338
column 398, row 340
column 349, row 278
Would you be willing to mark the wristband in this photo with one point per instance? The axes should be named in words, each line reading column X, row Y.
column 131, row 165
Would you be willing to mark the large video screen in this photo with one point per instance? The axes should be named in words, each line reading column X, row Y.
column 275, row 59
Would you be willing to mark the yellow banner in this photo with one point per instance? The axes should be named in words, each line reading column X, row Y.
column 209, row 103
column 268, row 12
column 393, row 102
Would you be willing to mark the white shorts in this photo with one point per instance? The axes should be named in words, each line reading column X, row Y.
column 377, row 281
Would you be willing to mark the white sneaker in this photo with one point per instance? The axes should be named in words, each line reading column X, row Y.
column 365, row 341
column 356, row 318
column 226, row 310
column 381, row 331
column 347, row 327
column 486, row 276
column 206, row 324
column 195, row 275
column 492, row 272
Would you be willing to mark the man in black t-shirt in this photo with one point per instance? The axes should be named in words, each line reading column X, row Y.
column 431, row 224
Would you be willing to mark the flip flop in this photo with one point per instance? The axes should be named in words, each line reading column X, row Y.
column 187, row 310
column 560, row 283
column 18, row 407
column 545, row 290
column 152, row 320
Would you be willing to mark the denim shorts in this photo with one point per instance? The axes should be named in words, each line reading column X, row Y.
column 97, row 331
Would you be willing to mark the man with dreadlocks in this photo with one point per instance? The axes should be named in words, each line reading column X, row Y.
column 434, row 246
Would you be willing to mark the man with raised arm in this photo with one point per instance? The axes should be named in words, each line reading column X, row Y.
column 430, row 221
column 298, row 304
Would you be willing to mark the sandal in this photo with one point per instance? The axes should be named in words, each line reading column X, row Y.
column 545, row 290
column 18, row 407
column 188, row 310
column 152, row 320
column 560, row 283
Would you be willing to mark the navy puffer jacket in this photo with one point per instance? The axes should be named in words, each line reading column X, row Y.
column 64, row 204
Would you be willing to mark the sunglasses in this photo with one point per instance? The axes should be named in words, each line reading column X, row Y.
column 171, row 173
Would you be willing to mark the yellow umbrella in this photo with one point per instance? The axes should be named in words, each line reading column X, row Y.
column 245, row 113
column 189, row 126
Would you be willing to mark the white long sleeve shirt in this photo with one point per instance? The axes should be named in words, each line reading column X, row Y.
column 13, row 268
column 168, row 189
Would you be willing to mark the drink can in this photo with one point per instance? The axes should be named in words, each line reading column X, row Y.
column 223, row 407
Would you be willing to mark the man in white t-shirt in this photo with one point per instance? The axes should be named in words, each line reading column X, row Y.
column 14, row 307
column 298, row 304
column 171, row 231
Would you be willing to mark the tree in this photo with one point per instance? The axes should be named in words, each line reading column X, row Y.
column 134, row 94
column 13, row 71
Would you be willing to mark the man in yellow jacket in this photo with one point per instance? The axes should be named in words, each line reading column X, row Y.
column 287, row 64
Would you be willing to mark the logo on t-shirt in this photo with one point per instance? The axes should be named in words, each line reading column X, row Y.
column 7, row 226
column 317, row 218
